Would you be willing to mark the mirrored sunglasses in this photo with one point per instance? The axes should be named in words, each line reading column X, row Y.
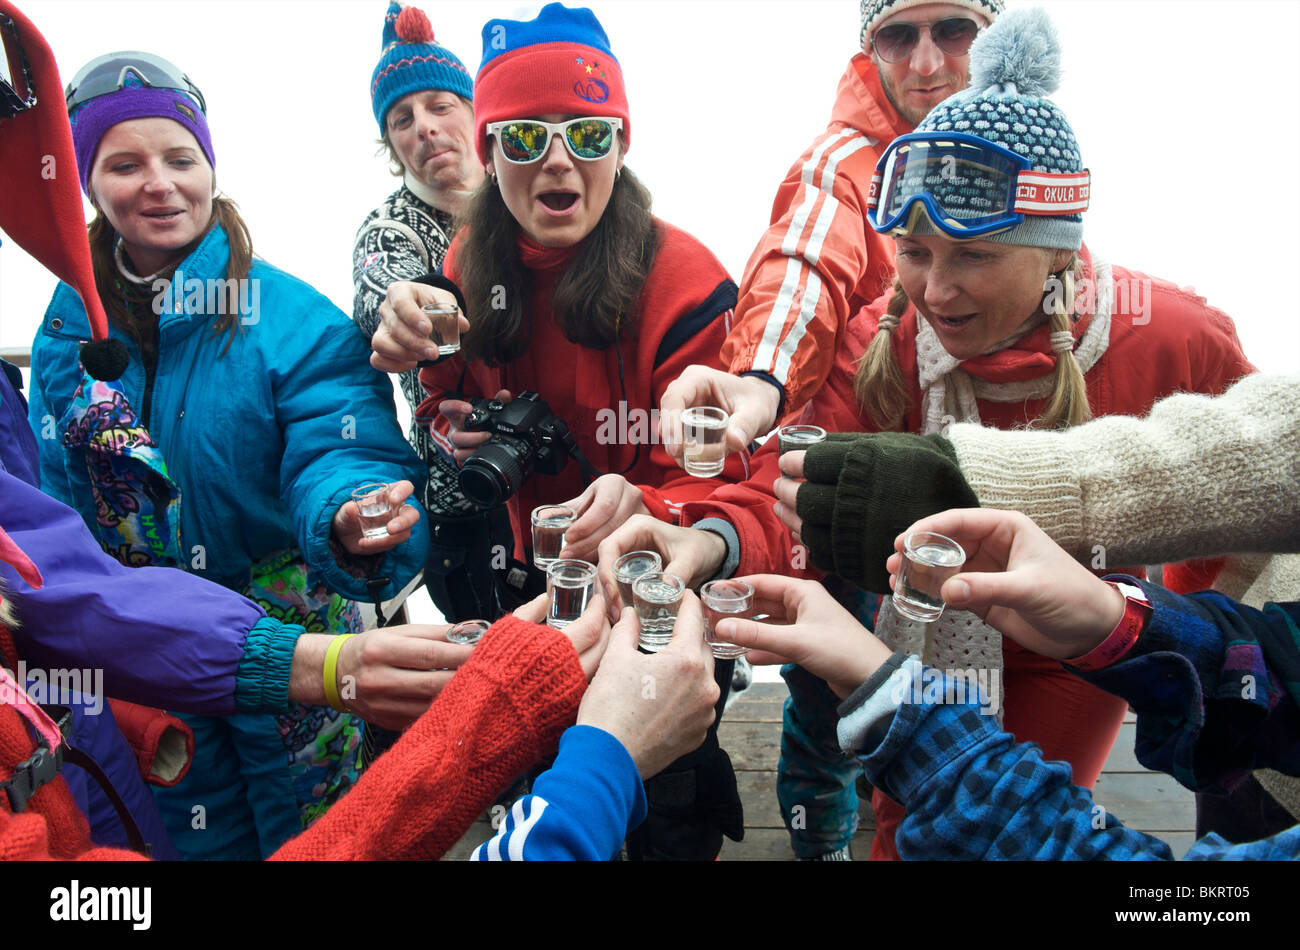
column 523, row 141
column 896, row 41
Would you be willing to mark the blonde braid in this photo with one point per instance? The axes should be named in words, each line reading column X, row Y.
column 1068, row 405
column 878, row 383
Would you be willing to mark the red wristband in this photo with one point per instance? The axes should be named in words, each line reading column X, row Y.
column 1137, row 611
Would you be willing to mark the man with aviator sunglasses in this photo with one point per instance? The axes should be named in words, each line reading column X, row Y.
column 820, row 260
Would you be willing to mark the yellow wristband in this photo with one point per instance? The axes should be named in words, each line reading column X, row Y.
column 332, row 670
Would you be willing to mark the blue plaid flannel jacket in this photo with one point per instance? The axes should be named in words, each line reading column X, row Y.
column 1216, row 689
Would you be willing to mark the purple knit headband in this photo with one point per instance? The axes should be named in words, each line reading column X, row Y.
column 91, row 121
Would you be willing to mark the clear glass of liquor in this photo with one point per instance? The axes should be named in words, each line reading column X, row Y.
column 704, row 440
column 793, row 438
column 928, row 560
column 444, row 320
column 631, row 566
column 570, row 585
column 549, row 524
column 468, row 632
column 657, row 596
column 374, row 509
column 722, row 599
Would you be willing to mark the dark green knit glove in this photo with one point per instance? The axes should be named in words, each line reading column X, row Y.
column 862, row 490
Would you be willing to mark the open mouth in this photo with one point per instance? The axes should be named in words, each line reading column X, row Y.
column 161, row 215
column 558, row 200
column 952, row 323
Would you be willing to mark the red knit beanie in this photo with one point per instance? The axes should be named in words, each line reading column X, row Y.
column 558, row 63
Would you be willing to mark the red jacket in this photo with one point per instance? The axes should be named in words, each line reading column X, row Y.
column 504, row 710
column 820, row 261
column 1178, row 344
column 682, row 318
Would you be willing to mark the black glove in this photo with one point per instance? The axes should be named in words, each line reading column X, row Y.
column 689, row 810
column 863, row 490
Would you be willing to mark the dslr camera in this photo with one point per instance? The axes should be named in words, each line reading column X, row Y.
column 526, row 437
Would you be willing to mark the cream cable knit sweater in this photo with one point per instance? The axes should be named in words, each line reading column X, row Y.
column 1200, row 476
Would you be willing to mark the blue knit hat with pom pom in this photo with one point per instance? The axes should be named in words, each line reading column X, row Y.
column 412, row 62
column 1014, row 65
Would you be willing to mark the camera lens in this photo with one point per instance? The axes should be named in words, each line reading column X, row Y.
column 492, row 474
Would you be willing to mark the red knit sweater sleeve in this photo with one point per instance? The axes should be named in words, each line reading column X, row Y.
column 27, row 837
column 503, row 711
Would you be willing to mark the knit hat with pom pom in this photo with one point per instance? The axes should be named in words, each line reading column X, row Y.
column 412, row 62
column 560, row 61
column 1014, row 65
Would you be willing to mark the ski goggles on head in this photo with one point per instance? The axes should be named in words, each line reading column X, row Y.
column 967, row 185
column 524, row 141
column 17, row 90
column 114, row 71
column 895, row 42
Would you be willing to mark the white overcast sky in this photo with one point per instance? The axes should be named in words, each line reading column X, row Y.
column 1172, row 102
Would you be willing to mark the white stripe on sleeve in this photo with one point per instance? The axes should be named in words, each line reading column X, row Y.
column 515, row 848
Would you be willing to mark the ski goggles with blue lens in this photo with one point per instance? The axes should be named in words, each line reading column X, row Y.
column 17, row 90
column 113, row 71
column 968, row 186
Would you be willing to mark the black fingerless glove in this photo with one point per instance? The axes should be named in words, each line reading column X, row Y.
column 863, row 490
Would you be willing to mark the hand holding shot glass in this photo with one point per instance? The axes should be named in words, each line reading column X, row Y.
column 549, row 524
column 794, row 438
column 631, row 566
column 570, row 586
column 704, row 439
column 376, row 518
column 468, row 632
column 929, row 559
column 657, row 596
column 444, row 330
column 723, row 599
column 373, row 508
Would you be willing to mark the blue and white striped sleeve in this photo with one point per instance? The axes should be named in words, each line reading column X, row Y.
column 580, row 809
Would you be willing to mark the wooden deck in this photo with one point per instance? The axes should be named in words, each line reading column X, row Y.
column 751, row 732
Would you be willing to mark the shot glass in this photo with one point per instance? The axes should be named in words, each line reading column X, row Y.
column 721, row 599
column 468, row 631
column 374, row 509
column 631, row 566
column 704, row 440
column 791, row 438
column 445, row 327
column 570, row 585
column 928, row 560
column 657, row 596
column 549, row 524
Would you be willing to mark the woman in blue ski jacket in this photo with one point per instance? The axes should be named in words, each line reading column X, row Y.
column 229, row 445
